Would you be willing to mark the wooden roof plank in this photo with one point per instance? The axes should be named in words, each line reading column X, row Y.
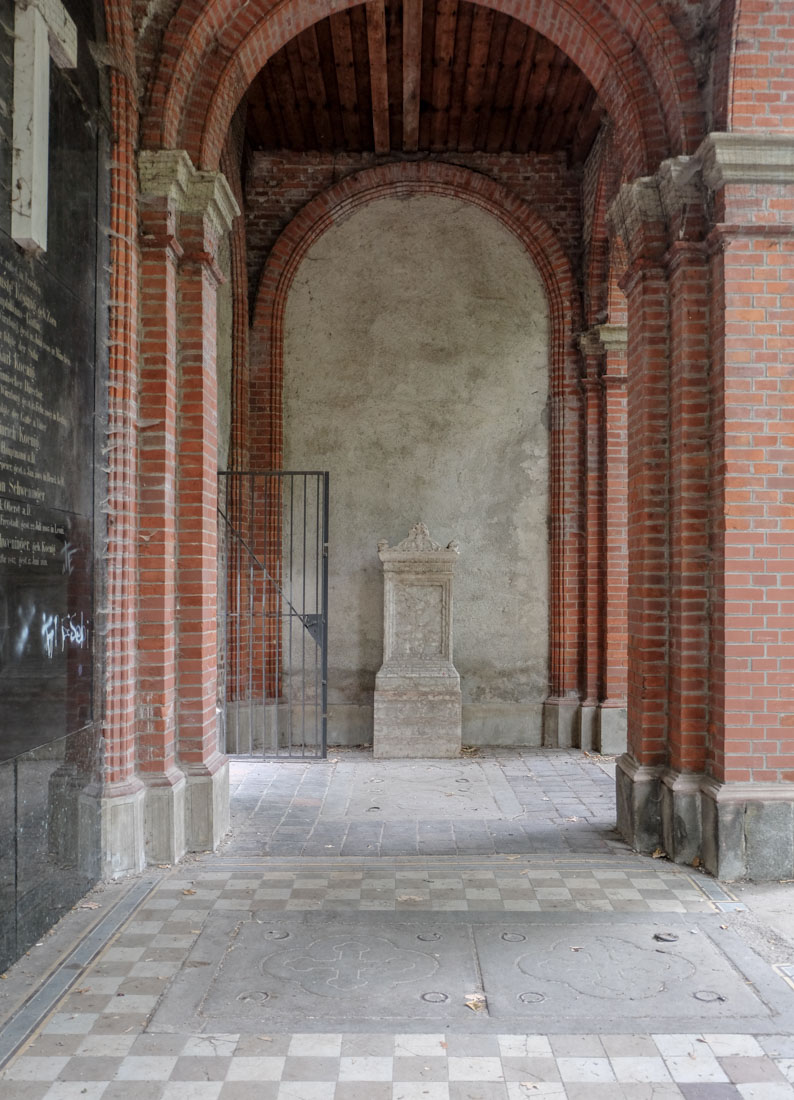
column 285, row 97
column 358, row 31
column 520, row 89
column 412, row 72
column 459, row 69
column 346, row 77
column 479, row 47
column 378, row 75
column 444, row 55
column 298, row 74
column 426, row 78
column 501, row 109
column 493, row 69
column 315, row 88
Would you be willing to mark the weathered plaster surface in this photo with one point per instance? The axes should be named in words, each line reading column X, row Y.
column 416, row 364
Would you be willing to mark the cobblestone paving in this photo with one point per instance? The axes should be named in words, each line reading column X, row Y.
column 99, row 1041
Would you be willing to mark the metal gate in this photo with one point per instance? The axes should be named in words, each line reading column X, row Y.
column 273, row 652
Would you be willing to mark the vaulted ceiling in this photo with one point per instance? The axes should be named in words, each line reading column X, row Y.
column 435, row 76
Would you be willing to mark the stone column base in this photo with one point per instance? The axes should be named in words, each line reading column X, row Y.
column 736, row 830
column 612, row 730
column 588, row 726
column 110, row 830
column 560, row 723
column 207, row 805
column 164, row 818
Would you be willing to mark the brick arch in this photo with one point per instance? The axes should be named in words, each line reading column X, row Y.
column 628, row 49
column 747, row 95
column 428, row 178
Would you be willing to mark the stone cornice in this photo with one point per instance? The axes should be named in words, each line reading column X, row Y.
column 746, row 159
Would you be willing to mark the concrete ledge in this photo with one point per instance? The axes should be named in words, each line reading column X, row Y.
column 164, row 818
column 111, row 830
column 207, row 805
column 503, row 724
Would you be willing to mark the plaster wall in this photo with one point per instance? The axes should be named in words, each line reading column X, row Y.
column 416, row 372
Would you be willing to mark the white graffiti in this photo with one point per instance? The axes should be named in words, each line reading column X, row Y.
column 60, row 631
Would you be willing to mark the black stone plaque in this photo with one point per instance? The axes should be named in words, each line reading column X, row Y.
column 49, row 365
column 47, row 404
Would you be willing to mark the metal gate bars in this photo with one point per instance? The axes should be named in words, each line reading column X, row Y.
column 273, row 601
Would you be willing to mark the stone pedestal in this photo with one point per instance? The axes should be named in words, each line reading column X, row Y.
column 417, row 691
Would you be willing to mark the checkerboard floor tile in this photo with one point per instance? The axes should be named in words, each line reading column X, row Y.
column 342, row 1066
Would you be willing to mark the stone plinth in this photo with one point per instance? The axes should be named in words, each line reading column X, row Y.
column 417, row 691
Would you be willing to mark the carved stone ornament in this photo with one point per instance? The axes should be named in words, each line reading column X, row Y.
column 418, row 541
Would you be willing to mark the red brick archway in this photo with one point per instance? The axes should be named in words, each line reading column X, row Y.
column 628, row 49
column 428, row 178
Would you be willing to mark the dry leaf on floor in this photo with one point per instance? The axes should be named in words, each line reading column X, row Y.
column 409, row 897
column 476, row 1002
column 88, row 905
column 188, row 891
column 659, row 853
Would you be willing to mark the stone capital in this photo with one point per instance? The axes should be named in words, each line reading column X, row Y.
column 209, row 196
column 746, row 159
column 602, row 339
column 637, row 216
column 165, row 174
column 683, row 198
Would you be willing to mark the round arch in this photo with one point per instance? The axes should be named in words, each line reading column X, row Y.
column 631, row 54
column 428, row 178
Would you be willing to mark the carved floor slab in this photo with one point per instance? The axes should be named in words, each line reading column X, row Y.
column 430, row 789
column 264, row 972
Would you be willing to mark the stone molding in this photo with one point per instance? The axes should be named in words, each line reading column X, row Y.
column 746, row 159
column 418, row 541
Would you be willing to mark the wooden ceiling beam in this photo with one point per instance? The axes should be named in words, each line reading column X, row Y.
column 412, row 72
column 378, row 74
column 520, row 90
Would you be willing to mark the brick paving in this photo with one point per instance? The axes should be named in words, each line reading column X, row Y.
column 102, row 1038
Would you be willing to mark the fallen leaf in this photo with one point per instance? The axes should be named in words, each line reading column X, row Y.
column 723, row 926
column 409, row 897
column 476, row 1002
column 265, row 1038
column 188, row 891
column 659, row 853
column 85, row 989
column 576, row 949
column 196, row 931
column 696, row 861
column 88, row 905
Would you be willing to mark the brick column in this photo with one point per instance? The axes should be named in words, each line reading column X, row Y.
column 748, row 793
column 110, row 809
column 611, row 724
column 603, row 707
column 689, row 537
column 638, row 217
column 594, row 611
column 164, row 178
column 207, row 213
